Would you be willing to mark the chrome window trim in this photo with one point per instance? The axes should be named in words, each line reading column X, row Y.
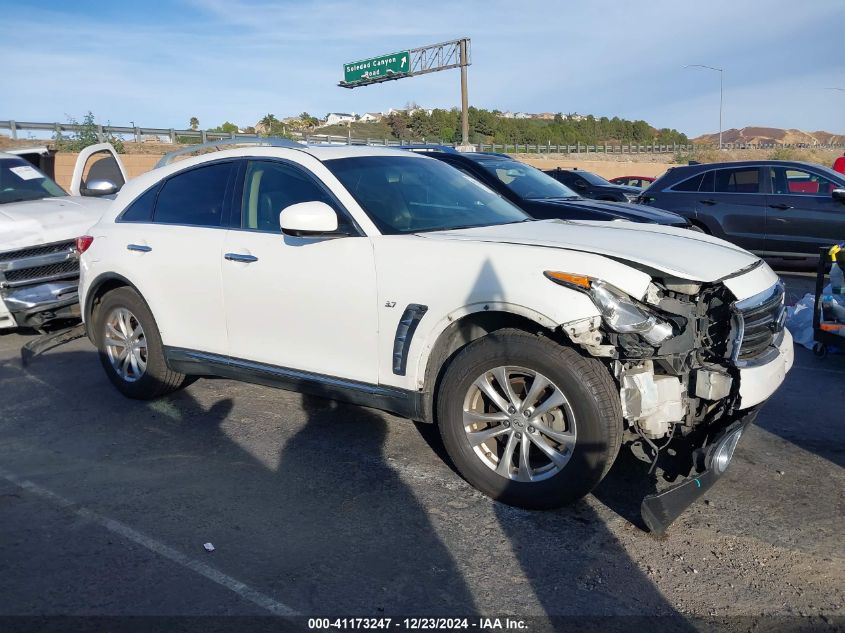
column 755, row 301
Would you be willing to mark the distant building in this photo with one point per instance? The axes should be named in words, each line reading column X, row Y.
column 521, row 115
column 546, row 116
column 333, row 118
column 506, row 115
column 370, row 116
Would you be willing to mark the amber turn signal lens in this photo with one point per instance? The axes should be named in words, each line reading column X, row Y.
column 566, row 278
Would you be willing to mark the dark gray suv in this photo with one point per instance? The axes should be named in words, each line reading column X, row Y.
column 772, row 208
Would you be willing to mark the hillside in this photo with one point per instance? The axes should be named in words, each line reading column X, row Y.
column 771, row 135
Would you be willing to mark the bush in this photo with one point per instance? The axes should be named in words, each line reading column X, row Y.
column 85, row 137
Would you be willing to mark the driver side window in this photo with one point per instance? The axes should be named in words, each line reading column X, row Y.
column 270, row 187
column 799, row 182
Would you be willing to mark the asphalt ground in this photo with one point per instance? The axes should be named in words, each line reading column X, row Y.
column 322, row 509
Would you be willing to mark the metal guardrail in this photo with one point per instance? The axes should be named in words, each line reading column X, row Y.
column 204, row 136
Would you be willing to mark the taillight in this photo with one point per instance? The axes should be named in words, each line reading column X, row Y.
column 83, row 244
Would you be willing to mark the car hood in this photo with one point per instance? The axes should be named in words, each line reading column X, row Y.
column 673, row 251
column 35, row 222
column 622, row 210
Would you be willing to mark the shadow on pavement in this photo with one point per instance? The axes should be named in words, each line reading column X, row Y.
column 308, row 509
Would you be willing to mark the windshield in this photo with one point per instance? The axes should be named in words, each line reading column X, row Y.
column 526, row 181
column 593, row 179
column 413, row 194
column 20, row 181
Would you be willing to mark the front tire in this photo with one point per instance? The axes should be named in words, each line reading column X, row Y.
column 527, row 421
column 130, row 347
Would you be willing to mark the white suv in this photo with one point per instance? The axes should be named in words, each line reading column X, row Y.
column 392, row 280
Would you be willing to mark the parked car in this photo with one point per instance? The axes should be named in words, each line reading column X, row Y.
column 839, row 164
column 640, row 182
column 39, row 224
column 772, row 208
column 538, row 194
column 589, row 185
column 389, row 279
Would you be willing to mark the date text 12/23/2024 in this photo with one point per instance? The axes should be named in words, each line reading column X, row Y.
column 418, row 624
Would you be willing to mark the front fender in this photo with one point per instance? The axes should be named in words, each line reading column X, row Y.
column 577, row 306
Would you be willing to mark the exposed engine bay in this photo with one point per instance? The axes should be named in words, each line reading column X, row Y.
column 688, row 382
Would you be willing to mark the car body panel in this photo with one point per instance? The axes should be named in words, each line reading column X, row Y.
column 34, row 222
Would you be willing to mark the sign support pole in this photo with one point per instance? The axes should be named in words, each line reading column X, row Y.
column 464, row 96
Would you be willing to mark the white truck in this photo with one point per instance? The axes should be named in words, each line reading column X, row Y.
column 393, row 280
column 39, row 224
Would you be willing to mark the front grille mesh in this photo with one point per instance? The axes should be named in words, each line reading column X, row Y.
column 36, row 251
column 761, row 324
column 68, row 268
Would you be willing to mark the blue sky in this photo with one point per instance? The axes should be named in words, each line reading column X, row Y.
column 238, row 60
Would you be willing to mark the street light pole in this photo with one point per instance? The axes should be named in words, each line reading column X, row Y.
column 721, row 72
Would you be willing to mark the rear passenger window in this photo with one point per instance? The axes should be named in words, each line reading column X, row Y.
column 195, row 197
column 738, row 180
column 690, row 184
column 141, row 210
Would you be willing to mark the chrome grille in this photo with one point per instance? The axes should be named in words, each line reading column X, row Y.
column 36, row 251
column 760, row 323
column 38, row 264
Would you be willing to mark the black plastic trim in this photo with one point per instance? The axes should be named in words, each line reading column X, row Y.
column 404, row 333
column 392, row 399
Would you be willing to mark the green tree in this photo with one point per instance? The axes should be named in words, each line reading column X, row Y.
column 227, row 127
column 194, row 123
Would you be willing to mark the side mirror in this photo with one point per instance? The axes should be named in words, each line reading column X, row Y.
column 838, row 194
column 308, row 218
column 95, row 188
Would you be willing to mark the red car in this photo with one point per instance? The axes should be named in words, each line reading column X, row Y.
column 633, row 181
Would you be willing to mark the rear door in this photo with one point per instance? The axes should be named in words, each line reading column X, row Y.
column 801, row 213
column 734, row 200
column 171, row 237
column 97, row 162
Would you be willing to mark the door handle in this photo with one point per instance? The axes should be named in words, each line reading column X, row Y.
column 138, row 248
column 238, row 257
column 780, row 206
column 709, row 201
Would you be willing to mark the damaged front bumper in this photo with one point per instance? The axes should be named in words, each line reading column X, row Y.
column 661, row 509
column 33, row 306
column 710, row 459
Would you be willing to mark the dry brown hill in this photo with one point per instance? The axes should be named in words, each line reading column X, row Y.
column 771, row 135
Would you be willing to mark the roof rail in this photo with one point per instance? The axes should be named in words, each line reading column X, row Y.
column 269, row 141
column 429, row 147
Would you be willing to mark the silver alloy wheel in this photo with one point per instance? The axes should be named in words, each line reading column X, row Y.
column 126, row 345
column 519, row 423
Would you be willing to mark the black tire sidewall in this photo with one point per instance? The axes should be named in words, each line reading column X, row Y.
column 597, row 432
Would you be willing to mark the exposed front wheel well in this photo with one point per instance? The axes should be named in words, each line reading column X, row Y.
column 460, row 334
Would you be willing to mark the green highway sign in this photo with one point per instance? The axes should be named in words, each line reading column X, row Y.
column 377, row 67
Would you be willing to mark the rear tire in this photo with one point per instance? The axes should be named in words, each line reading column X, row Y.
column 567, row 449
column 130, row 347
